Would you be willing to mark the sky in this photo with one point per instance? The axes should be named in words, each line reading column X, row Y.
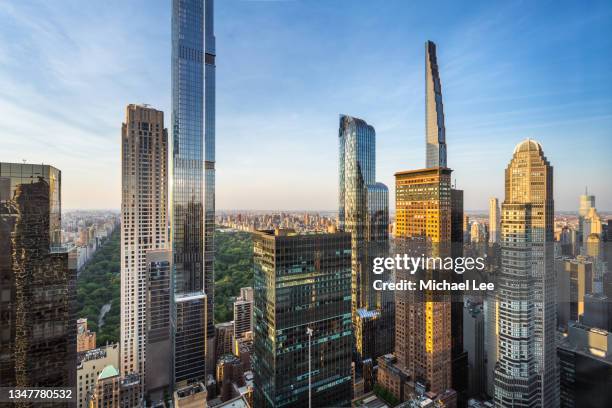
column 285, row 72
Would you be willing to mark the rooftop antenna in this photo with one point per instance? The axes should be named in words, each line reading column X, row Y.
column 24, row 161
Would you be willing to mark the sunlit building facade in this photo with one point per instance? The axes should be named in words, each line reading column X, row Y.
column 525, row 372
column 423, row 318
column 494, row 220
column 364, row 212
column 144, row 205
column 435, row 131
column 193, row 184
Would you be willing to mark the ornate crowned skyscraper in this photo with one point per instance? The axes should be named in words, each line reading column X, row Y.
column 364, row 212
column 435, row 133
column 193, row 184
column 525, row 373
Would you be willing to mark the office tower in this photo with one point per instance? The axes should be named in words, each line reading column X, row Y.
column 585, row 367
column 474, row 340
column 86, row 339
column 563, row 293
column 364, row 212
column 243, row 313
column 159, row 367
column 565, row 240
column 224, row 339
column 37, row 281
column 586, row 203
column 466, row 229
column 392, row 379
column 89, row 366
column 434, row 111
column 144, row 197
column 423, row 318
column 459, row 356
column 457, row 220
column 580, row 273
column 525, row 373
column 494, row 220
column 243, row 349
column 193, row 186
column 302, row 285
column 597, row 311
column 591, row 232
column 491, row 316
column 476, row 232
column 229, row 372
column 414, row 189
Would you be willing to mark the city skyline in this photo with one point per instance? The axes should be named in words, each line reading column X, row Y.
column 372, row 304
column 543, row 81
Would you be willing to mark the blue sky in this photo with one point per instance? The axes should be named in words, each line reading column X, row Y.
column 287, row 69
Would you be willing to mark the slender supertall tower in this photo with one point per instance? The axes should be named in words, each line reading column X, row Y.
column 144, row 195
column 525, row 373
column 364, row 212
column 193, row 181
column 435, row 133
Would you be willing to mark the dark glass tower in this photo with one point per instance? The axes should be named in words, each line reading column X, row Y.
column 302, row 282
column 159, row 335
column 193, row 181
column 364, row 212
column 37, row 281
column 434, row 111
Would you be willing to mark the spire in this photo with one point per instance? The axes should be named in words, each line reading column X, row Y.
column 435, row 132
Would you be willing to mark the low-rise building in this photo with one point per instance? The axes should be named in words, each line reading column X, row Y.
column 90, row 365
column 191, row 396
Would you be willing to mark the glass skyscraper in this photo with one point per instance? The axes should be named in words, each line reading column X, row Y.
column 37, row 282
column 364, row 212
column 193, row 181
column 302, row 281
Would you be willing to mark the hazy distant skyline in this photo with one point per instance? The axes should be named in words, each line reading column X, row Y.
column 286, row 70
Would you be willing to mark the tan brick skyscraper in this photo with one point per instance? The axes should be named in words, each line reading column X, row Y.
column 144, row 204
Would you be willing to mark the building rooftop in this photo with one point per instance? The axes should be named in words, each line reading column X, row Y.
column 108, row 372
column 425, row 170
column 369, row 401
column 238, row 402
column 190, row 390
column 594, row 342
column 528, row 145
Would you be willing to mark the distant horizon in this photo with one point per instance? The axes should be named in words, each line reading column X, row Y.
column 118, row 210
